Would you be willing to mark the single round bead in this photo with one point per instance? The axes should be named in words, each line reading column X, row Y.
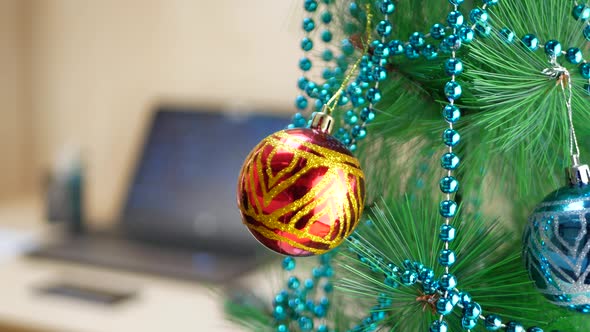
column 452, row 42
column 374, row 95
column 305, row 323
column 282, row 328
column 417, row 39
column 468, row 323
column 587, row 32
column 534, row 329
column 581, row 12
column 437, row 31
column 326, row 17
column 453, row 297
column 493, row 323
column 455, row 19
column 279, row 313
column 429, row 52
column 574, row 55
column 343, row 100
column 323, row 328
column 409, row 278
column 426, row 274
column 293, row 283
column 514, row 327
column 483, row 29
column 491, row 2
column 351, row 117
column 585, row 70
column 451, row 137
column 448, row 208
column 412, row 52
column 456, row 2
column 444, row 306
column 453, row 90
column 387, row 7
column 354, row 89
column 464, row 298
column 466, row 34
column 367, row 114
column 451, row 113
column 507, row 35
column 447, row 233
column 472, row 310
column 396, row 47
column 320, row 311
column 305, row 64
column 384, row 28
column 358, row 132
column 306, row 44
column 447, row 257
column 298, row 121
column 453, row 66
column 531, row 42
column 301, row 102
column 302, row 82
column 438, row 326
column 380, row 50
column 312, row 90
column 448, row 281
column 327, row 36
column 323, row 98
column 478, row 15
column 430, row 287
column 310, row 5
column 346, row 47
column 308, row 24
column 449, row 185
column 327, row 55
column 450, row 161
column 379, row 73
column 553, row 48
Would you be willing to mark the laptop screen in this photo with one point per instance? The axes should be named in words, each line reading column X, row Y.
column 183, row 191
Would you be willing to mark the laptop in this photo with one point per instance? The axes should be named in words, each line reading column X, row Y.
column 180, row 217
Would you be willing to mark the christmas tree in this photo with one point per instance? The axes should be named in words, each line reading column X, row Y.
column 464, row 115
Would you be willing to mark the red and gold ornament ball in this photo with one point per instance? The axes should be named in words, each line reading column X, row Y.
column 301, row 192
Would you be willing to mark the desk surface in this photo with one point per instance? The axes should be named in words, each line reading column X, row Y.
column 161, row 305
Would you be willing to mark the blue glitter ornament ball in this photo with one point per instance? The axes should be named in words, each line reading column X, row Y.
column 557, row 245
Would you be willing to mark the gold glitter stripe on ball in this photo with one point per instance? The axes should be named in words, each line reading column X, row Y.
column 274, row 236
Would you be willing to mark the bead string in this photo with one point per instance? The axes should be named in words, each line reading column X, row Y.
column 449, row 185
column 413, row 273
column 415, row 47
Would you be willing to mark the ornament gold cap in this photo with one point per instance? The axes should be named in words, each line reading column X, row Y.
column 323, row 122
column 578, row 174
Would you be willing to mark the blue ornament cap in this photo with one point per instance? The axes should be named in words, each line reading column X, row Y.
column 557, row 247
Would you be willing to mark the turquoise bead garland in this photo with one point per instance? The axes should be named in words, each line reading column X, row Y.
column 364, row 93
column 450, row 161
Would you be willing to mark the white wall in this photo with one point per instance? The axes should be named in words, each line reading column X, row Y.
column 99, row 66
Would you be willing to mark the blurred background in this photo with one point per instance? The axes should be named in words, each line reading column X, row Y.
column 81, row 83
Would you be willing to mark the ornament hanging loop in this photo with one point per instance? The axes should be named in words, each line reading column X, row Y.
column 578, row 174
column 563, row 77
